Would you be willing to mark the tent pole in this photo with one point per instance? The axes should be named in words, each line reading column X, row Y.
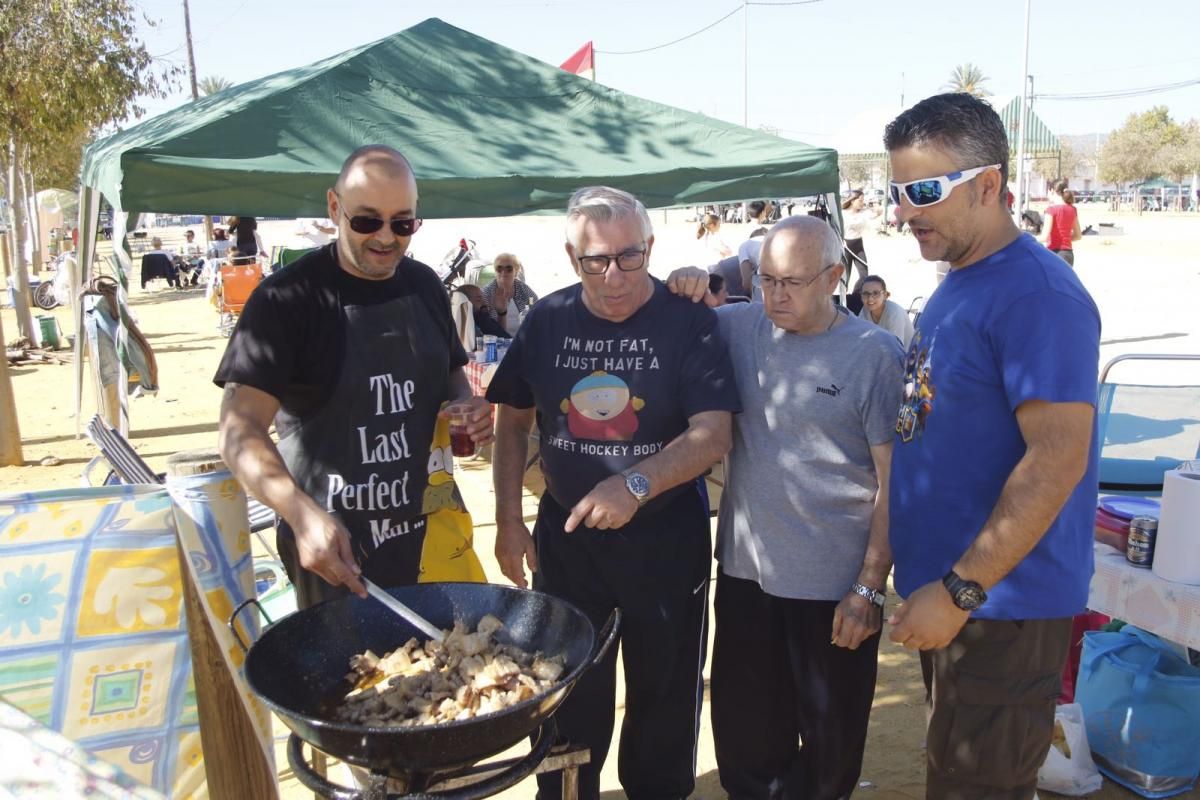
column 1019, row 203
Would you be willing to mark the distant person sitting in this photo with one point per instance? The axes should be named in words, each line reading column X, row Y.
column 747, row 256
column 716, row 288
column 885, row 313
column 220, row 244
column 508, row 296
column 485, row 323
column 193, row 257
column 158, row 263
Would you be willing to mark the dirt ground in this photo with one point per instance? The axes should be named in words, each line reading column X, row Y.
column 1145, row 280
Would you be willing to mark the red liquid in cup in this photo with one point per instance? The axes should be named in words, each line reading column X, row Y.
column 461, row 444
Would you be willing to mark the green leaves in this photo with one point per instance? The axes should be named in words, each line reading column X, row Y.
column 68, row 68
column 968, row 78
column 1150, row 145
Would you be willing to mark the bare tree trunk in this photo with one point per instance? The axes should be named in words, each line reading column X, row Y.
column 29, row 192
column 4, row 259
column 10, row 431
column 20, row 274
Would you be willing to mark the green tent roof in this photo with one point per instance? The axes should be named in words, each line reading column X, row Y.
column 1040, row 141
column 862, row 140
column 489, row 131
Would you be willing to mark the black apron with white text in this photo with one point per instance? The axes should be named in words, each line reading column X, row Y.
column 363, row 455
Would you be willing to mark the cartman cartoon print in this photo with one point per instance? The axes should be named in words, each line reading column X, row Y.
column 919, row 391
column 601, row 408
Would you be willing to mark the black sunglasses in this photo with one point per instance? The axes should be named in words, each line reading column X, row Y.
column 400, row 227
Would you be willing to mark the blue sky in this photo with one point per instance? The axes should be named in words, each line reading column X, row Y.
column 812, row 67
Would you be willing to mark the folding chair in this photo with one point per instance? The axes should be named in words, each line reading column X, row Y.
column 237, row 282
column 129, row 467
column 1145, row 429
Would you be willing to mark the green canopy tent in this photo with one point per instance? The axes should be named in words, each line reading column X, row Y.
column 489, row 131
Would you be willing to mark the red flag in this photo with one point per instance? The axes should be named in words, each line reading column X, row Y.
column 583, row 62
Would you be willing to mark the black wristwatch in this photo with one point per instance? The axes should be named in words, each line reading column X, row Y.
column 967, row 595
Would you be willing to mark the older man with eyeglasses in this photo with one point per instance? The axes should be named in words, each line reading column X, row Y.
column 993, row 491
column 352, row 353
column 633, row 393
column 802, row 534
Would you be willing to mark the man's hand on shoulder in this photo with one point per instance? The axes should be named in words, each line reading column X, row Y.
column 692, row 283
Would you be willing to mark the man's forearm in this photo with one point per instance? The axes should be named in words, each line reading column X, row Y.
column 877, row 561
column 704, row 443
column 1033, row 496
column 508, row 460
column 458, row 387
column 255, row 461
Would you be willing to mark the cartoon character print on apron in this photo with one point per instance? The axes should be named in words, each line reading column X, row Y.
column 364, row 455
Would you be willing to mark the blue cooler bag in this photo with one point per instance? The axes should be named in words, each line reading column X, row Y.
column 1141, row 706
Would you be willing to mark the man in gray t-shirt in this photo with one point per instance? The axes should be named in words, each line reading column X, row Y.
column 802, row 536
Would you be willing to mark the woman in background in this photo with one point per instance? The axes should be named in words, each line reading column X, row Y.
column 709, row 234
column 1062, row 223
column 508, row 296
column 885, row 313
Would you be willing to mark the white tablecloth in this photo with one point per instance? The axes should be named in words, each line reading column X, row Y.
column 1138, row 596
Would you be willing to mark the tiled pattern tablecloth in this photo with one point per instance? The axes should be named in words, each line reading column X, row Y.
column 1138, row 596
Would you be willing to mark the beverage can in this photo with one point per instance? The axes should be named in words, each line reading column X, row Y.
column 489, row 347
column 1139, row 550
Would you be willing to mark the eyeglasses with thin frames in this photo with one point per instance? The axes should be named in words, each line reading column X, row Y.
column 871, row 295
column 769, row 282
column 596, row 264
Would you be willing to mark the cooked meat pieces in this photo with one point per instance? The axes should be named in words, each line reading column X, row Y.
column 467, row 674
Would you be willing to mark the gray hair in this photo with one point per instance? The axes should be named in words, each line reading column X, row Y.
column 831, row 243
column 604, row 204
column 963, row 125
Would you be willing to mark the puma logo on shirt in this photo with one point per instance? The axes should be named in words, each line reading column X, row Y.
column 832, row 391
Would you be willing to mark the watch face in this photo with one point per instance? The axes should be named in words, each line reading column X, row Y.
column 638, row 484
column 969, row 597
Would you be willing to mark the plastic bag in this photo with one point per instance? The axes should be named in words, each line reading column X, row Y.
column 1141, row 702
column 1069, row 768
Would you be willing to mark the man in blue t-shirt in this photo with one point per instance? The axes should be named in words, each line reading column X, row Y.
column 993, row 480
column 633, row 395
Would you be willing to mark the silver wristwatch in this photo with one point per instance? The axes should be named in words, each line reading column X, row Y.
column 638, row 486
column 874, row 595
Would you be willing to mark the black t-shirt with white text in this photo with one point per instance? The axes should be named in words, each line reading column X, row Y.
column 290, row 336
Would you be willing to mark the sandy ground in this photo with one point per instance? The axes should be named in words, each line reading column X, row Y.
column 1145, row 280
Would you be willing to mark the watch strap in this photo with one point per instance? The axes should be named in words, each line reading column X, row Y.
column 876, row 596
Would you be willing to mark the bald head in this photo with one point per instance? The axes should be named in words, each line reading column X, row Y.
column 813, row 236
column 374, row 161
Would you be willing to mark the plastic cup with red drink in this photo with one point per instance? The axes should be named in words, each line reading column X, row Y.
column 461, row 443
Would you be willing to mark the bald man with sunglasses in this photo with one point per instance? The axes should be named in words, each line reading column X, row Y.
column 993, row 477
column 352, row 353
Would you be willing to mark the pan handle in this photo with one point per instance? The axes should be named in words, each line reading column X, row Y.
column 607, row 635
column 233, row 619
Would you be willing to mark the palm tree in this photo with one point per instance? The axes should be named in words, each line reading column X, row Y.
column 968, row 78
column 213, row 84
